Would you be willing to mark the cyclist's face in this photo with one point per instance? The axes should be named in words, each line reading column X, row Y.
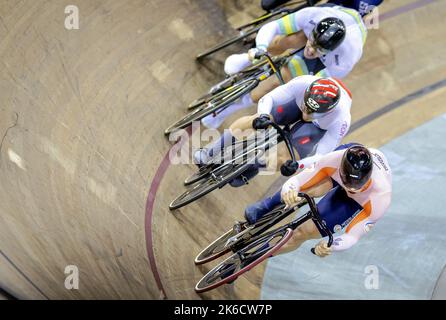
column 310, row 116
column 354, row 190
column 310, row 51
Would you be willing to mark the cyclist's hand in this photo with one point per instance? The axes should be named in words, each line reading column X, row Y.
column 262, row 122
column 290, row 194
column 255, row 53
column 322, row 249
column 289, row 168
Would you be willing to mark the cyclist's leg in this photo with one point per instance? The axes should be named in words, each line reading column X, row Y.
column 305, row 136
column 236, row 63
column 250, row 173
column 286, row 113
column 270, row 84
column 299, row 65
column 201, row 156
column 256, row 211
column 213, row 121
column 282, row 43
column 240, row 128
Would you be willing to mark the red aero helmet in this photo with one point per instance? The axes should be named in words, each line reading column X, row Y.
column 321, row 96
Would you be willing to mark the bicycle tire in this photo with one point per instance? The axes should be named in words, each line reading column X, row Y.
column 203, row 284
column 201, row 112
column 183, row 200
column 197, row 176
column 206, row 170
column 209, row 253
column 217, row 247
column 227, row 43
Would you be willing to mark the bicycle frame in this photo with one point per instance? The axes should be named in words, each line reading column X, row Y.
column 283, row 135
column 256, row 232
column 259, row 74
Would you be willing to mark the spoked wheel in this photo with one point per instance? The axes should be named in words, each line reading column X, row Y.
column 220, row 246
column 216, row 249
column 217, row 180
column 228, row 42
column 203, row 172
column 244, row 260
column 219, row 101
column 215, row 92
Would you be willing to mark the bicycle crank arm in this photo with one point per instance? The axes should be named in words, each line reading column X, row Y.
column 242, row 235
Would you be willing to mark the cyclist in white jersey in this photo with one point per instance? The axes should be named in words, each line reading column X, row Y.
column 333, row 37
column 318, row 112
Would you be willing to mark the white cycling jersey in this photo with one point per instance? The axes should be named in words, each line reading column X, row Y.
column 336, row 122
column 374, row 200
column 338, row 62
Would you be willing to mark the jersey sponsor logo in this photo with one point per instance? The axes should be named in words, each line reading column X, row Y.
column 369, row 226
column 381, row 161
column 304, row 140
column 346, row 222
column 337, row 59
column 313, row 104
column 337, row 241
column 337, row 228
column 312, row 22
column 343, row 129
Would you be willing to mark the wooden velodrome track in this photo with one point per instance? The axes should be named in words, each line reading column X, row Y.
column 84, row 176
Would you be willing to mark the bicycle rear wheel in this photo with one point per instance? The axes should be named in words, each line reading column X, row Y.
column 218, row 102
column 243, row 260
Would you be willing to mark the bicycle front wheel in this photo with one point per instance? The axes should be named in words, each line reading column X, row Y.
column 208, row 185
column 243, row 260
column 218, row 102
column 227, row 43
column 216, row 249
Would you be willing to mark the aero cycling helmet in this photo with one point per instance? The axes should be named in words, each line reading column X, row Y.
column 321, row 96
column 328, row 34
column 356, row 167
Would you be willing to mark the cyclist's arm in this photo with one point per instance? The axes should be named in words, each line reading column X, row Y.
column 280, row 95
column 328, row 143
column 363, row 222
column 309, row 178
column 286, row 25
